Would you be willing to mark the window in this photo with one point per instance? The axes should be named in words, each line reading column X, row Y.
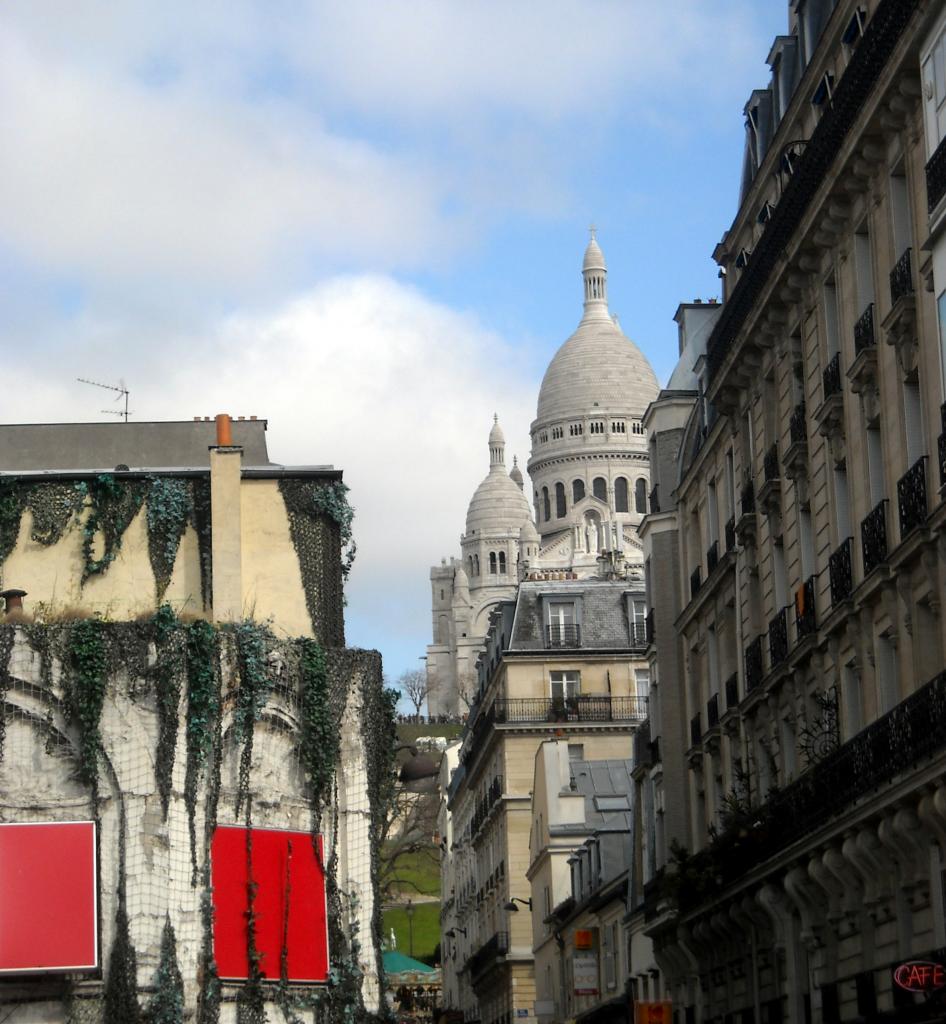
column 492, row 563
column 564, row 684
column 855, row 28
column 620, row 495
column 825, row 90
column 642, row 682
column 557, row 433
column 578, row 491
column 830, row 297
column 934, row 93
column 637, row 427
column 576, row 429
column 618, row 427
column 502, row 563
column 563, row 621
column 546, row 505
column 596, row 427
column 640, row 496
column 599, row 488
column 560, row 501
column 471, row 565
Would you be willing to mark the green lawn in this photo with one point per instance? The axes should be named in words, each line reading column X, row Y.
column 418, row 872
column 408, row 732
column 426, row 929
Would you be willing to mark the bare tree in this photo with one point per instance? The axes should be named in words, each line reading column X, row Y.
column 410, row 856
column 413, row 684
column 467, row 689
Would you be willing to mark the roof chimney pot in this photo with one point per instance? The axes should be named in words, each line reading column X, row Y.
column 224, row 431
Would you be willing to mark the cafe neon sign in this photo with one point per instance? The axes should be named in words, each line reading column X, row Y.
column 920, row 976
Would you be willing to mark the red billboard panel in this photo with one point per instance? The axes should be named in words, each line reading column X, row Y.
column 48, row 897
column 289, row 905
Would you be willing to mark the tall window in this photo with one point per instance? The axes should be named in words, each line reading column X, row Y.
column 642, row 682
column 599, row 488
column 562, row 622
column 546, row 505
column 492, row 563
column 502, row 563
column 578, row 491
column 564, row 684
column 620, row 495
column 560, row 501
column 640, row 495
column 830, row 298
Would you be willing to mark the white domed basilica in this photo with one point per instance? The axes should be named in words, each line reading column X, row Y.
column 589, row 469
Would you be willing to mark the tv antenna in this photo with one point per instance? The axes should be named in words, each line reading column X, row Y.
column 122, row 393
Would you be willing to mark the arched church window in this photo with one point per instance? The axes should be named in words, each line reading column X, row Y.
column 546, row 505
column 640, row 495
column 492, row 563
column 578, row 491
column 599, row 488
column 620, row 495
column 560, row 501
column 471, row 565
column 476, row 565
column 502, row 563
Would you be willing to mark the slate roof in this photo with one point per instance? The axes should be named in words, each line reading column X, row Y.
column 183, row 444
column 604, row 614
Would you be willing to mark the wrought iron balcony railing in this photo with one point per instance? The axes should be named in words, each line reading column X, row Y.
column 696, row 731
column 797, row 425
column 712, row 557
column 936, row 176
column 584, row 708
column 901, row 278
column 754, row 671
column 778, row 638
column 730, row 533
column 907, row 736
column 561, row 635
column 874, row 537
column 732, row 691
column 831, row 377
column 712, row 711
column 864, row 336
column 639, row 634
column 696, row 581
column 840, row 573
column 770, row 468
column 806, row 615
column 911, row 497
column 496, row 945
column 649, row 630
column 747, row 499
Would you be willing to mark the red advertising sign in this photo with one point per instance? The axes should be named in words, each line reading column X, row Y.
column 48, row 897
column 920, row 976
column 289, row 905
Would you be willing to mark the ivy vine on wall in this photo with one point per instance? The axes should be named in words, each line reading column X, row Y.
column 167, row 1003
column 89, row 666
column 6, row 648
column 113, row 504
column 168, row 512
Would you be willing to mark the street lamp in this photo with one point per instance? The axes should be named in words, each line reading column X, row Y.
column 409, row 910
column 511, row 905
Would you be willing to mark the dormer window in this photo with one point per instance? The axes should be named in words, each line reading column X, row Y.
column 765, row 214
column 825, row 90
column 855, row 28
column 742, row 260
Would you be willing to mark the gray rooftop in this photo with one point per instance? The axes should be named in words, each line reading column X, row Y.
column 26, row 447
column 597, row 779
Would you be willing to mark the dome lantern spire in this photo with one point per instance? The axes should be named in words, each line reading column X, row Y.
column 595, row 274
column 497, row 445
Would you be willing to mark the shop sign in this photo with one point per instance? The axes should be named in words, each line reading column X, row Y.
column 653, row 1013
column 584, row 938
column 585, row 972
column 920, row 976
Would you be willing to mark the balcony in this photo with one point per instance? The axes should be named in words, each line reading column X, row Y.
column 696, row 581
column 911, row 497
column 712, row 557
column 910, row 734
column 696, row 731
column 901, row 278
column 712, row 711
column 936, row 177
column 831, row 378
column 778, row 639
column 732, row 691
column 730, row 531
column 650, row 631
column 840, row 574
column 559, row 635
column 874, row 537
column 639, row 635
column 864, row 335
column 587, row 708
column 754, row 670
column 496, row 945
column 806, row 617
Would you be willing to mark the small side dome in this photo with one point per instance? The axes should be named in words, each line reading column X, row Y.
column 594, row 257
column 496, row 435
column 516, row 473
column 528, row 534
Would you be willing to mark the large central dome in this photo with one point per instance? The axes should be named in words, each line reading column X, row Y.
column 598, row 367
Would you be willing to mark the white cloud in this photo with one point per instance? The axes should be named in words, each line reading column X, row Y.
column 361, row 372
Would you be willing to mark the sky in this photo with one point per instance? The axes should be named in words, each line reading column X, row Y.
column 362, row 221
